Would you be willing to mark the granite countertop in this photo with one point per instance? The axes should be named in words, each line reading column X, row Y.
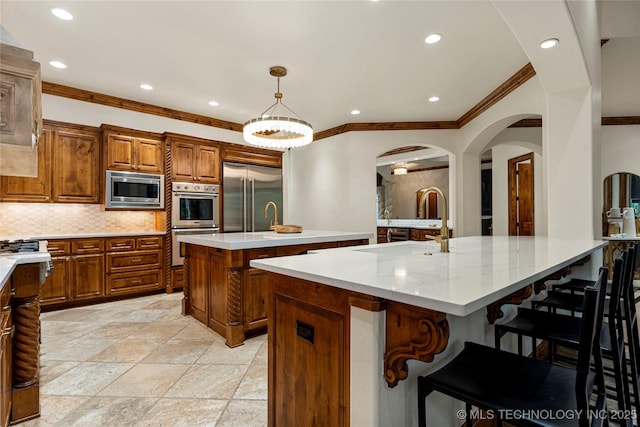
column 9, row 262
column 267, row 239
column 477, row 271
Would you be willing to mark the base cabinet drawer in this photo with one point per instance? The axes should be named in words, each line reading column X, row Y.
column 124, row 283
column 118, row 262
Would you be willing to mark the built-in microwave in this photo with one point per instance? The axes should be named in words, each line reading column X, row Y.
column 132, row 190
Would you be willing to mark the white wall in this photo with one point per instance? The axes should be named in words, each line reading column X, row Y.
column 620, row 150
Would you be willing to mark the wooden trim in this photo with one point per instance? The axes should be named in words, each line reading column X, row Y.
column 141, row 107
column 527, row 123
column 65, row 125
column 119, row 130
column 370, row 304
column 363, row 127
column 428, row 169
column 512, row 83
column 620, row 121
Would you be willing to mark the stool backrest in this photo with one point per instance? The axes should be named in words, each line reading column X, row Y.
column 592, row 318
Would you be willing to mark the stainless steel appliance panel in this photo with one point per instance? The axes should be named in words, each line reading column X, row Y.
column 132, row 190
column 195, row 205
column 246, row 191
column 177, row 255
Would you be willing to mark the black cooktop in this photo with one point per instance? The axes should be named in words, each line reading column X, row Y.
column 16, row 246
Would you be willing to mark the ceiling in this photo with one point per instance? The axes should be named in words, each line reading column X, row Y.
column 340, row 55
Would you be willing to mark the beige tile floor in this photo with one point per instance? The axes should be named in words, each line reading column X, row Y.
column 139, row 362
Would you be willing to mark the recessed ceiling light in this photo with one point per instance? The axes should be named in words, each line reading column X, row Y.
column 57, row 64
column 433, row 38
column 434, row 99
column 214, row 103
column 146, row 86
column 355, row 112
column 549, row 43
column 62, row 14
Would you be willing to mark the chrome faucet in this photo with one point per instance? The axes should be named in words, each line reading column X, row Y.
column 443, row 238
column 386, row 215
column 272, row 224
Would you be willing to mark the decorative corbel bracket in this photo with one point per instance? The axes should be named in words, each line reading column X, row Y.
column 412, row 333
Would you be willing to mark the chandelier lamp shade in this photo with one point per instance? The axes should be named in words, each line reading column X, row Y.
column 274, row 130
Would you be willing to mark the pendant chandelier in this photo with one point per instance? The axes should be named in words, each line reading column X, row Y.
column 271, row 130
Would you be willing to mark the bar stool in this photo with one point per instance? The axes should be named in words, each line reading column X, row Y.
column 564, row 330
column 500, row 381
column 631, row 326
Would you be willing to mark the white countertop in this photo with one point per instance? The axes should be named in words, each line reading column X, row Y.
column 431, row 224
column 8, row 263
column 82, row 235
column 267, row 239
column 477, row 271
column 622, row 239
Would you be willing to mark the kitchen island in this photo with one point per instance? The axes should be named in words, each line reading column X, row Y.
column 223, row 291
column 351, row 328
column 21, row 276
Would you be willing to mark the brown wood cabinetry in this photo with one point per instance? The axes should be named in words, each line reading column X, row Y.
column 382, row 235
column 134, row 264
column 132, row 150
column 419, row 234
column 6, row 329
column 57, row 287
column 37, row 189
column 193, row 159
column 68, row 168
column 255, row 156
column 225, row 293
column 98, row 269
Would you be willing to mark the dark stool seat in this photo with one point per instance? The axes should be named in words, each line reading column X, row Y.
column 488, row 376
column 518, row 388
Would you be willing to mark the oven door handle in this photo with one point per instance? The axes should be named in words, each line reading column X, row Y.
column 195, row 230
column 200, row 195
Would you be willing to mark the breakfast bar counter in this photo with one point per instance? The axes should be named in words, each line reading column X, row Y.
column 229, row 296
column 348, row 325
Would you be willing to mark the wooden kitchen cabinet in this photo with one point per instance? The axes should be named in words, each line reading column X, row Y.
column 134, row 264
column 6, row 329
column 76, row 166
column 132, row 151
column 193, row 159
column 36, row 189
column 87, row 268
column 57, row 287
column 68, row 168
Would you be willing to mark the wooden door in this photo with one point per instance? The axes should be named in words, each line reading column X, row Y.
column 38, row 189
column 256, row 289
column 88, row 276
column 521, row 203
column 120, row 153
column 149, row 158
column 308, row 370
column 183, row 159
column 76, row 167
column 6, row 364
column 198, row 282
column 208, row 164
column 57, row 287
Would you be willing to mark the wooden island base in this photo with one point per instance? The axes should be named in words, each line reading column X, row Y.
column 229, row 296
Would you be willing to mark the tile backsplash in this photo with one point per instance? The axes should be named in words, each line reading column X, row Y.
column 23, row 219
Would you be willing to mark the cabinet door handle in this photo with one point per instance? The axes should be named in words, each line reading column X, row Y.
column 136, row 259
column 134, row 282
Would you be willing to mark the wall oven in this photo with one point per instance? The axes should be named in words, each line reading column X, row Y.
column 195, row 209
column 132, row 190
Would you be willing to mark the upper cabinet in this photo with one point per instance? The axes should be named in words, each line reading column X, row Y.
column 252, row 155
column 133, row 151
column 68, row 170
column 193, row 159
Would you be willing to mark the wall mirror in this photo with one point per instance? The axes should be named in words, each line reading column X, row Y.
column 621, row 189
column 401, row 175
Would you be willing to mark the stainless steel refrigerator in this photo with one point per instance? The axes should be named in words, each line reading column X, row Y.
column 246, row 189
